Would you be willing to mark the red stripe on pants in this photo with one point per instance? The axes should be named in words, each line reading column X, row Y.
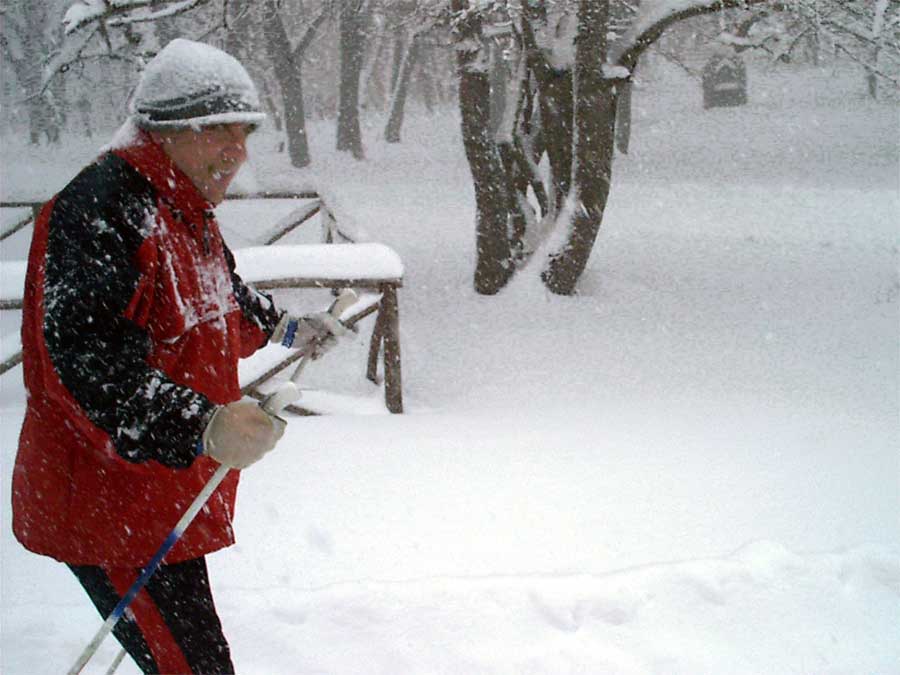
column 165, row 650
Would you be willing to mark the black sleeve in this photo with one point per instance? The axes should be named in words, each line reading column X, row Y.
column 257, row 307
column 98, row 223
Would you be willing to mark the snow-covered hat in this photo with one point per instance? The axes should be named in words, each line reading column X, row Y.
column 193, row 84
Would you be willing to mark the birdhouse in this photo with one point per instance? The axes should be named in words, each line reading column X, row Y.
column 724, row 81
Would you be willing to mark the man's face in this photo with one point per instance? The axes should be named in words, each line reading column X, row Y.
column 209, row 156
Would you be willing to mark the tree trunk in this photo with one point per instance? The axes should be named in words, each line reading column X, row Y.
column 879, row 25
column 872, row 85
column 349, row 134
column 372, row 91
column 290, row 79
column 493, row 263
column 401, row 89
column 512, row 121
column 41, row 122
column 426, row 78
column 42, row 118
column 595, row 115
column 557, row 112
column 623, row 118
column 499, row 77
column 397, row 55
column 493, row 259
column 556, row 106
column 295, row 120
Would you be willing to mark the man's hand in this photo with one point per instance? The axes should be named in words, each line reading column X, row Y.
column 313, row 334
column 240, row 433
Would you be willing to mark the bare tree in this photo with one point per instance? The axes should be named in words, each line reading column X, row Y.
column 401, row 89
column 415, row 24
column 372, row 94
column 352, row 17
column 26, row 41
column 494, row 264
column 287, row 62
column 409, row 50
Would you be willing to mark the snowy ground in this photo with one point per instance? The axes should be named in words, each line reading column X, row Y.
column 691, row 467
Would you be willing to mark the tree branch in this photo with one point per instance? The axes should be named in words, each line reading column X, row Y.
column 310, row 34
column 626, row 51
column 82, row 15
column 174, row 10
column 870, row 67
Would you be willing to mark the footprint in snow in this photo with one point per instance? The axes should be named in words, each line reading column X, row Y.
column 569, row 619
column 291, row 617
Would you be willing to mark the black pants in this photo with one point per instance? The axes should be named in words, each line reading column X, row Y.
column 171, row 627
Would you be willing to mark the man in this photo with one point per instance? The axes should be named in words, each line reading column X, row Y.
column 132, row 328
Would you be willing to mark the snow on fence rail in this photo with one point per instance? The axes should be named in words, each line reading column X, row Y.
column 339, row 263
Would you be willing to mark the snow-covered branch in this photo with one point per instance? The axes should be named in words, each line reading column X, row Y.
column 655, row 16
column 869, row 66
column 89, row 18
column 122, row 12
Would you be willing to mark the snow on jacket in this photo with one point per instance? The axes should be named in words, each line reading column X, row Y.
column 132, row 328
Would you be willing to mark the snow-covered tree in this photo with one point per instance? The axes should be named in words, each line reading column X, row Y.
column 544, row 77
column 28, row 32
column 571, row 64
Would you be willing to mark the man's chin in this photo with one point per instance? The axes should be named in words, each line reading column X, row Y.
column 215, row 192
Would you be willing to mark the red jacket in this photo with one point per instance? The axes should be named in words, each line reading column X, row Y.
column 132, row 327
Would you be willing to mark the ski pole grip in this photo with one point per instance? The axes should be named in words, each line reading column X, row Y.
column 281, row 399
column 290, row 392
column 342, row 302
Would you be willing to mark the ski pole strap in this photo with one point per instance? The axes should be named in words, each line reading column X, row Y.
column 289, row 332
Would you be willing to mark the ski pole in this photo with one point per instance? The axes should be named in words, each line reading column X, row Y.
column 115, row 664
column 273, row 405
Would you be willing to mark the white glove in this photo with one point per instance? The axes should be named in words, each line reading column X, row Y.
column 240, row 433
column 312, row 334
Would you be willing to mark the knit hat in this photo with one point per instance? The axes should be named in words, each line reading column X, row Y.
column 193, row 84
